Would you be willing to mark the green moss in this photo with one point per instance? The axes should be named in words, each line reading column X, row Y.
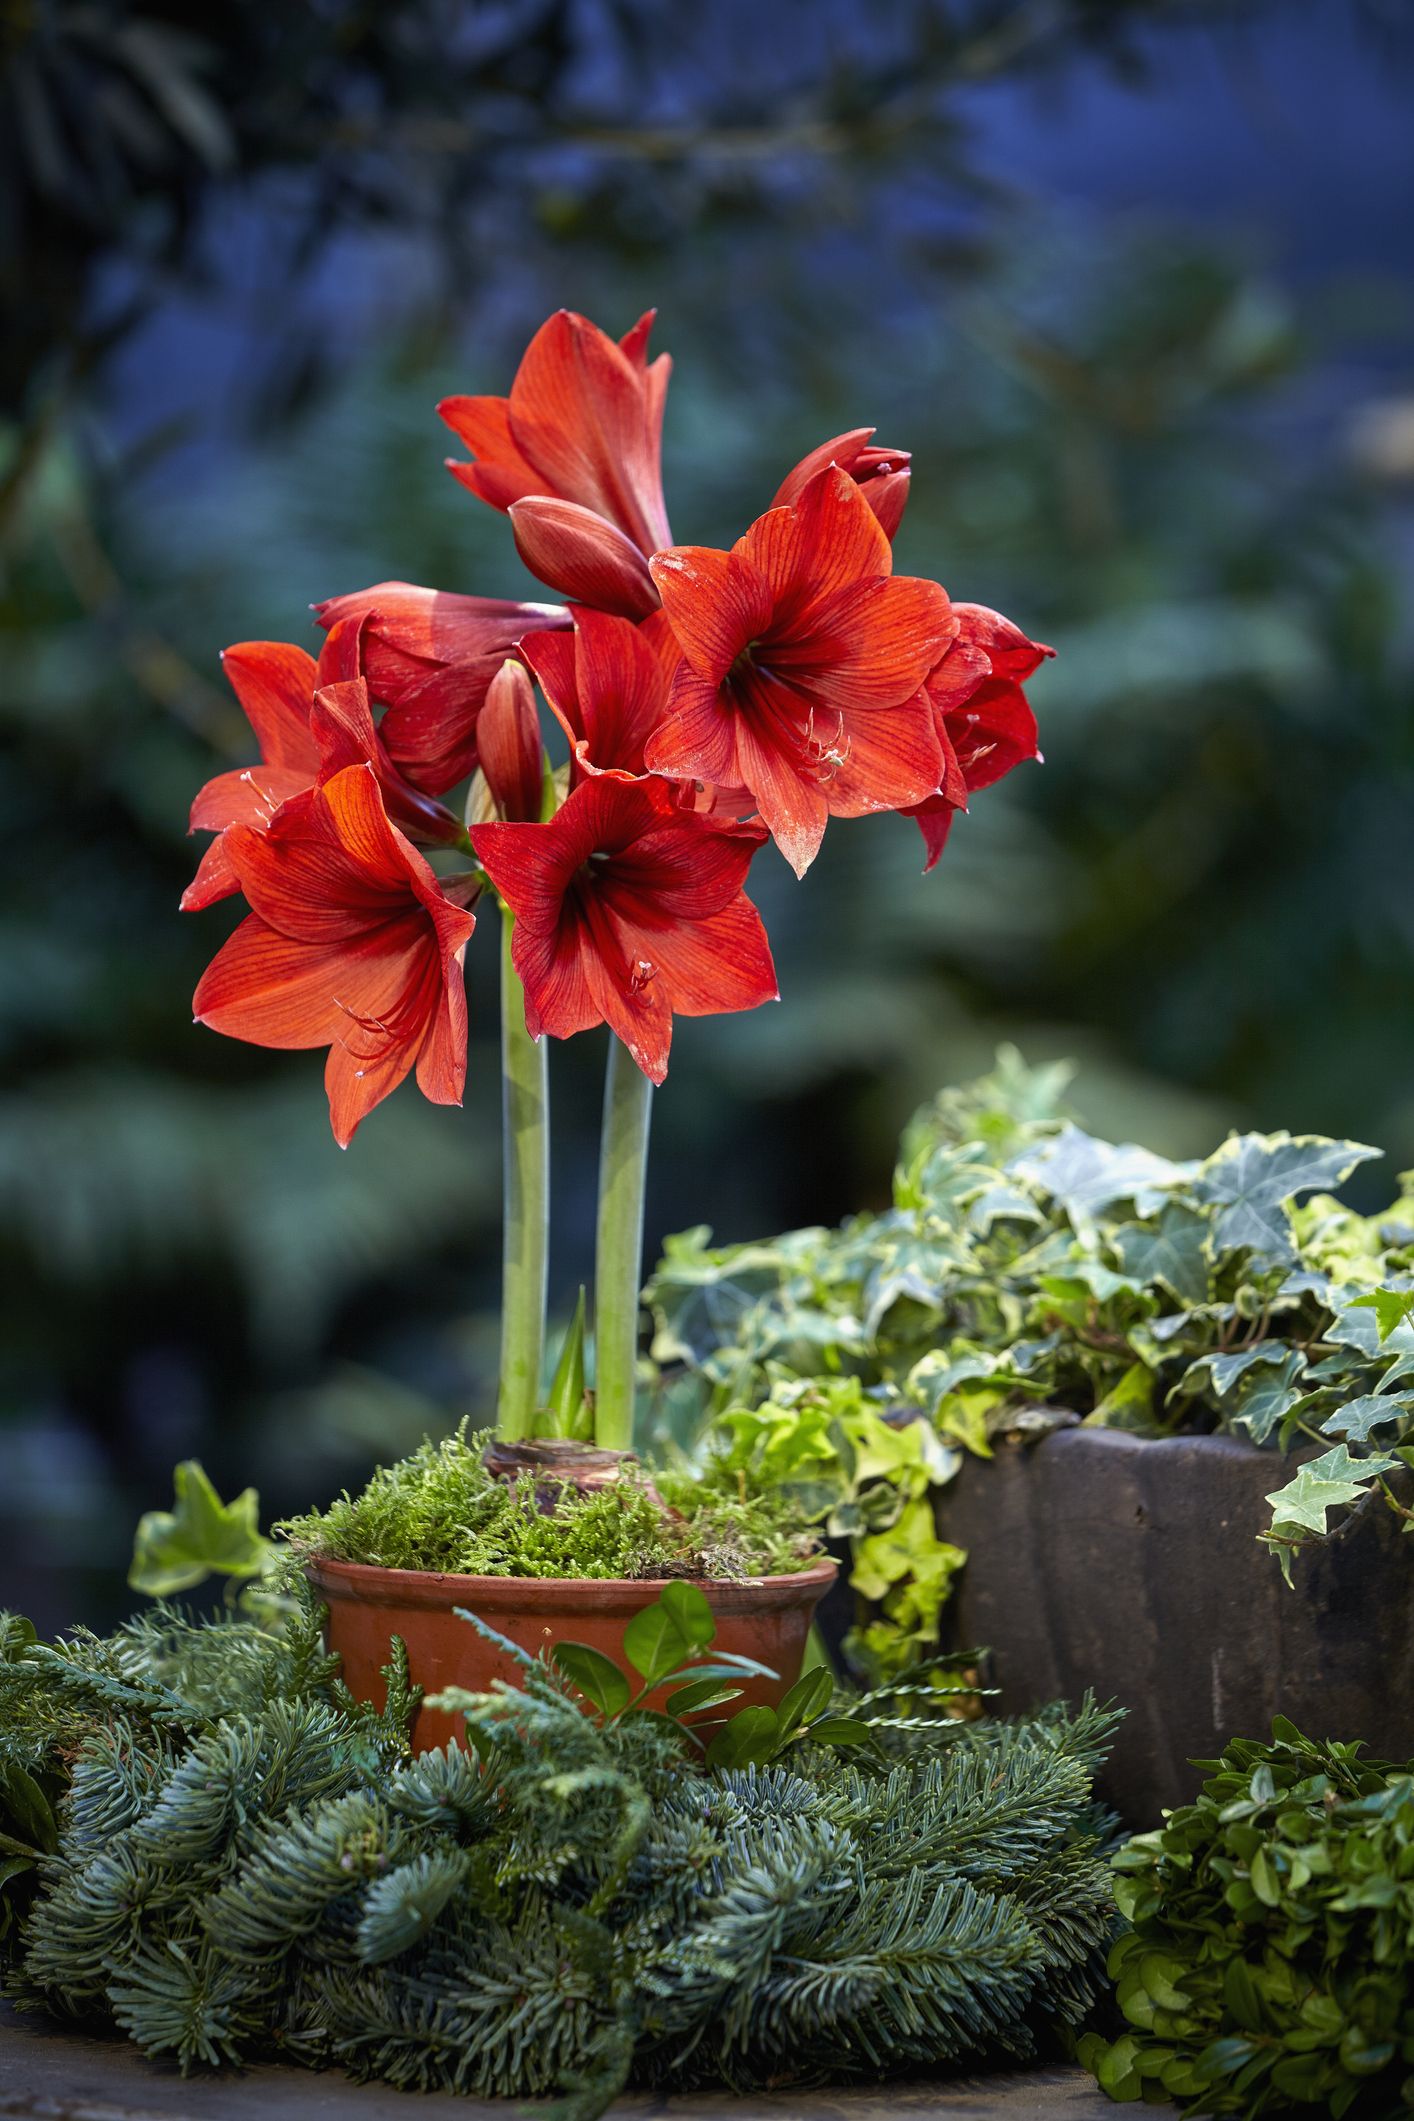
column 440, row 1509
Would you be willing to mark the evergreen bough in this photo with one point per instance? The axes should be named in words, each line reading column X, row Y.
column 206, row 1842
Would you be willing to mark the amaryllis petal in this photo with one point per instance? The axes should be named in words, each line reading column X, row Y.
column 887, row 760
column 881, row 474
column 698, row 740
column 865, row 641
column 435, row 626
column 887, row 494
column 247, row 795
column 250, row 795
column 830, row 540
column 788, row 783
column 508, row 739
column 441, row 1065
column 606, row 897
column 500, row 474
column 982, row 716
column 341, row 722
column 581, row 412
column 609, row 685
column 714, row 965
column 627, row 992
column 961, row 671
column 717, row 602
column 274, row 682
column 935, row 821
column 341, row 657
column 362, row 1070
column 583, row 555
column 271, row 989
column 1006, row 647
column 582, row 423
column 992, row 732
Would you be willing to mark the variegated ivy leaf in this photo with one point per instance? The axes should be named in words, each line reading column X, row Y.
column 1002, row 1203
column 1249, row 1180
column 1219, row 1374
column 1265, row 1396
column 1169, row 1251
column 1323, row 1484
column 1129, row 1404
column 1359, row 1418
column 1084, row 1175
column 942, row 1183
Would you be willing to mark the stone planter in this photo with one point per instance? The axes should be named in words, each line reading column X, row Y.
column 1131, row 1567
column 764, row 1617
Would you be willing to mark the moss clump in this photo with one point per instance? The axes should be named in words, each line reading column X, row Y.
column 440, row 1509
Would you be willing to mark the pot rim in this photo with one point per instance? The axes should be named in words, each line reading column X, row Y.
column 369, row 1582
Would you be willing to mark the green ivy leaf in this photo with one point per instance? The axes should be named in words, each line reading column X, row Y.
column 1170, row 1252
column 596, row 1676
column 201, row 1537
column 1358, row 1418
column 1323, row 1484
column 1390, row 1306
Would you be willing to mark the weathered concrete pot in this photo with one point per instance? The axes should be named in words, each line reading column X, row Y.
column 765, row 1617
column 1132, row 1567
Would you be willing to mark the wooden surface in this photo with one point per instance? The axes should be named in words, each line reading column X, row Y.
column 48, row 2073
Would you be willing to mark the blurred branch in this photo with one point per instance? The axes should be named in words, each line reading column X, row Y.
column 164, row 674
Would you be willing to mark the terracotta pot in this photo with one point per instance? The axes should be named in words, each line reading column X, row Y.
column 1132, row 1567
column 765, row 1617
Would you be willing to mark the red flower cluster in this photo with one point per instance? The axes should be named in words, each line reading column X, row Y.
column 710, row 700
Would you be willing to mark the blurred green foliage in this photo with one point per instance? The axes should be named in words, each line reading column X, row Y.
column 1200, row 895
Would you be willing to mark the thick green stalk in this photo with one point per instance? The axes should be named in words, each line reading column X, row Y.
column 525, row 1119
column 618, row 1260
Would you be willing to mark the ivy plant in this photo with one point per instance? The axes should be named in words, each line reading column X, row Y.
column 1028, row 1275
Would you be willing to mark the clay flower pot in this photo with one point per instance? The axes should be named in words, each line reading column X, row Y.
column 765, row 1617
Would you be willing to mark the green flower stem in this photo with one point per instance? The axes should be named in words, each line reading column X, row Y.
column 623, row 1165
column 526, row 1149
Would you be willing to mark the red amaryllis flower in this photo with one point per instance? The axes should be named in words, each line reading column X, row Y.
column 275, row 683
column 629, row 911
column 883, row 475
column 608, row 684
column 429, row 657
column 351, row 944
column 301, row 745
column 984, row 718
column 572, row 455
column 805, row 659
